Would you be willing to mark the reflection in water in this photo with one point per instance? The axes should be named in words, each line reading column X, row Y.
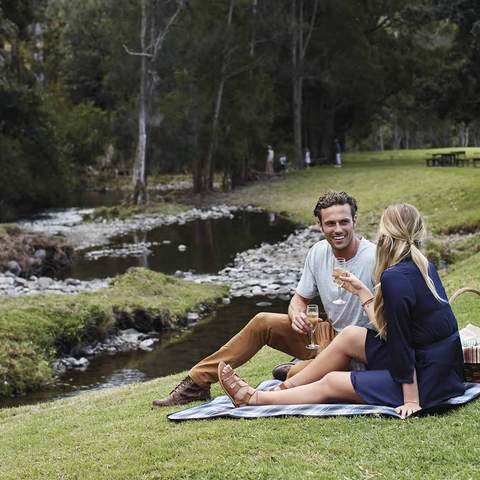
column 141, row 237
column 210, row 245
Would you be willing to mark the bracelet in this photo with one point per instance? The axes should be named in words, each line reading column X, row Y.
column 367, row 302
column 410, row 401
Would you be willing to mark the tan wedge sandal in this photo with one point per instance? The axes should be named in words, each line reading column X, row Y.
column 239, row 391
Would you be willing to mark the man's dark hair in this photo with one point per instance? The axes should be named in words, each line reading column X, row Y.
column 330, row 199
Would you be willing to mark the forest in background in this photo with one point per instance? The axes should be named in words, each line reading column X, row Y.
column 202, row 87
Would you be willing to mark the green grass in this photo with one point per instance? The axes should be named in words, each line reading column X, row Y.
column 35, row 330
column 448, row 197
column 114, row 435
column 126, row 211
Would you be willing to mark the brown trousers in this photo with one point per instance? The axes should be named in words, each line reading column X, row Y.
column 272, row 329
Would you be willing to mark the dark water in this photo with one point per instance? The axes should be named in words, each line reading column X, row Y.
column 211, row 245
column 175, row 352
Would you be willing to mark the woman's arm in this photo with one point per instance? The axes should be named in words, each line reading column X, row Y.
column 354, row 285
column 411, row 401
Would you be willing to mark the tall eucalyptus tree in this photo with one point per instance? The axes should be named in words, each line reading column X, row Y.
column 151, row 44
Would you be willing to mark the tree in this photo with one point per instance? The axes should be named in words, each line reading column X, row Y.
column 148, row 55
column 302, row 25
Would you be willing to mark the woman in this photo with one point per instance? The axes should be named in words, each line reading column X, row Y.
column 415, row 360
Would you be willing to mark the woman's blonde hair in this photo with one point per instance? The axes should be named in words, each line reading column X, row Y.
column 400, row 233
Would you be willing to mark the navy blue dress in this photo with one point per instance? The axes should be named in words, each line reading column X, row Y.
column 422, row 334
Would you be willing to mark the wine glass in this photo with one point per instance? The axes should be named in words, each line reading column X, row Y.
column 339, row 268
column 312, row 317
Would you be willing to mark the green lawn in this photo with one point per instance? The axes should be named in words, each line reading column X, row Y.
column 114, row 435
column 449, row 197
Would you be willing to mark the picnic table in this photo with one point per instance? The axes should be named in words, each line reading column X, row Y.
column 448, row 159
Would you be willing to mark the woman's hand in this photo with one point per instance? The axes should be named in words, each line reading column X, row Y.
column 351, row 283
column 407, row 409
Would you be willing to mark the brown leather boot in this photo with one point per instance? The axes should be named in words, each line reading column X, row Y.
column 280, row 372
column 185, row 392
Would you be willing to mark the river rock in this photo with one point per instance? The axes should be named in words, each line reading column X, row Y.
column 192, row 316
column 44, row 282
column 147, row 345
column 130, row 335
column 14, row 267
column 40, row 254
column 264, row 304
column 256, row 290
column 6, row 281
column 21, row 281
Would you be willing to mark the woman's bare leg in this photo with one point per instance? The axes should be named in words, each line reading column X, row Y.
column 333, row 387
column 322, row 381
column 348, row 344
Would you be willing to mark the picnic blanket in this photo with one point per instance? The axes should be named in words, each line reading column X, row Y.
column 223, row 407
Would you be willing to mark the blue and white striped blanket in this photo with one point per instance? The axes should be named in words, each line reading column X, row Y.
column 223, row 407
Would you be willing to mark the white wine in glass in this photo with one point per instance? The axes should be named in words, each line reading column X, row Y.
column 312, row 317
column 339, row 268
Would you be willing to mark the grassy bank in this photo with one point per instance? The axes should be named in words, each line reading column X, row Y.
column 35, row 330
column 115, row 435
column 126, row 211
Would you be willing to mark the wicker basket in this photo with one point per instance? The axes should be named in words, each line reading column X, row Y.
column 472, row 370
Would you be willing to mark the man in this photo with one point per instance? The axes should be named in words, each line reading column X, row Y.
column 337, row 215
column 307, row 158
column 338, row 153
column 269, row 165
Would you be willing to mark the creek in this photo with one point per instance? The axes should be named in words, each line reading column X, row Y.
column 208, row 246
column 200, row 246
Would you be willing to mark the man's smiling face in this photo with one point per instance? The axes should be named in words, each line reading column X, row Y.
column 338, row 226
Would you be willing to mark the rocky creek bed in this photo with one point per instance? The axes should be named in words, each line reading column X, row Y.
column 81, row 235
column 271, row 270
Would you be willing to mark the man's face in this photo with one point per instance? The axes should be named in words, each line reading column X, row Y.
column 338, row 226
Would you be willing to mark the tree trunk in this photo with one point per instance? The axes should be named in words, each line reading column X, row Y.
column 326, row 149
column 380, row 143
column 296, row 88
column 299, row 50
column 407, row 139
column 397, row 135
column 139, row 177
column 197, row 173
column 209, row 164
column 208, row 170
column 297, row 120
column 148, row 56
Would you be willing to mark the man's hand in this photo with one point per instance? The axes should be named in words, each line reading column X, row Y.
column 300, row 323
column 407, row 409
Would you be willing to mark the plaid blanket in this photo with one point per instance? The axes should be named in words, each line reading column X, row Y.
column 223, row 407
